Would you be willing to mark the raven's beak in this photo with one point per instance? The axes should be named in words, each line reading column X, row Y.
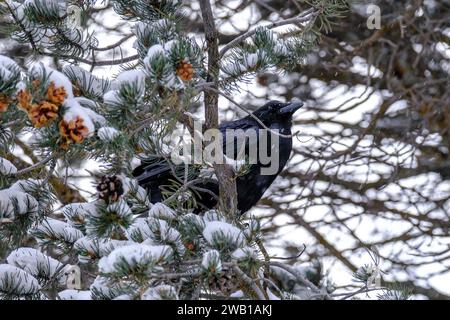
column 291, row 107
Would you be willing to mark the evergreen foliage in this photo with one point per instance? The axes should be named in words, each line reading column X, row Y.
column 125, row 246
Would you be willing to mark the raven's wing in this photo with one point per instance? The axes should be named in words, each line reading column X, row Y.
column 244, row 123
column 156, row 176
column 153, row 173
column 156, row 172
column 157, row 167
column 241, row 134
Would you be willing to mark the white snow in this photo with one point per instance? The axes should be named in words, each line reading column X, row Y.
column 164, row 233
column 34, row 262
column 27, row 186
column 193, row 219
column 72, row 277
column 245, row 253
column 70, row 294
column 216, row 230
column 25, row 202
column 161, row 211
column 76, row 213
column 173, row 81
column 75, row 110
column 250, row 61
column 60, row 80
column 161, row 292
column 14, row 202
column 213, row 215
column 88, row 107
column 211, row 259
column 139, row 228
column 140, row 28
column 107, row 133
column 132, row 77
column 6, row 207
column 237, row 294
column 7, row 62
column 153, row 51
column 170, row 44
column 133, row 255
column 7, row 68
column 253, row 228
column 61, row 5
column 120, row 208
column 6, row 167
column 132, row 188
column 271, row 295
column 112, row 98
column 97, row 86
column 59, row 229
column 281, row 49
column 169, row 77
column 18, row 10
column 124, row 297
column 163, row 23
column 16, row 281
column 91, row 248
column 103, row 286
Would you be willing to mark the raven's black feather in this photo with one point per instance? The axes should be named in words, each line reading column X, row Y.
column 153, row 174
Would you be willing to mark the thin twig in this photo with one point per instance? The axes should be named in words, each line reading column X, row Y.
column 37, row 165
column 292, row 257
column 250, row 114
column 114, row 45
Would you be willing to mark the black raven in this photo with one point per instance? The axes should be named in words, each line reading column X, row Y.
column 156, row 174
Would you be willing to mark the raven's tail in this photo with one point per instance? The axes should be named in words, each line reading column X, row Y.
column 157, row 174
column 154, row 173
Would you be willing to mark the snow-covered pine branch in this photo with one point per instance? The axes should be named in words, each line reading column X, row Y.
column 53, row 116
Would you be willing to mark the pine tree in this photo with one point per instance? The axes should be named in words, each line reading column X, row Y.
column 55, row 243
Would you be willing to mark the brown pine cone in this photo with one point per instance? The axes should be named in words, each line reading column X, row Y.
column 56, row 95
column 73, row 131
column 110, row 188
column 43, row 113
column 185, row 71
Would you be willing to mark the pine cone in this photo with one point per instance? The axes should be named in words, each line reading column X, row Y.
column 227, row 283
column 110, row 188
column 73, row 131
column 56, row 95
column 24, row 99
column 4, row 102
column 43, row 113
column 185, row 71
